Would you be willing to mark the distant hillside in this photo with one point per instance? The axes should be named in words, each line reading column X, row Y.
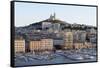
column 52, row 20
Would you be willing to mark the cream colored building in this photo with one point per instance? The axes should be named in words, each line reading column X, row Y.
column 81, row 45
column 78, row 45
column 35, row 45
column 88, row 45
column 41, row 45
column 19, row 45
column 68, row 40
column 47, row 44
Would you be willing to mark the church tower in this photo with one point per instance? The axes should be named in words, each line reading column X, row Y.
column 53, row 17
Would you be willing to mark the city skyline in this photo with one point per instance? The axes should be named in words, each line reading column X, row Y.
column 28, row 13
column 48, row 33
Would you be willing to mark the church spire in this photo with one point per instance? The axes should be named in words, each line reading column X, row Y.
column 51, row 16
column 54, row 15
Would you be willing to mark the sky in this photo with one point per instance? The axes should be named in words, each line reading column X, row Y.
column 28, row 13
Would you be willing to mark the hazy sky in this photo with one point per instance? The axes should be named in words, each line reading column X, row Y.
column 27, row 13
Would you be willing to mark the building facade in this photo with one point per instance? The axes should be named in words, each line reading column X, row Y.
column 79, row 45
column 47, row 44
column 68, row 40
column 19, row 45
column 41, row 45
column 79, row 36
column 35, row 45
column 56, row 27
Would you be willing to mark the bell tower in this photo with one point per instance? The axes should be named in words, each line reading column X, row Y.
column 53, row 17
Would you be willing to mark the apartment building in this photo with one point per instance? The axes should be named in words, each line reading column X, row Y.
column 68, row 40
column 19, row 45
column 41, row 45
